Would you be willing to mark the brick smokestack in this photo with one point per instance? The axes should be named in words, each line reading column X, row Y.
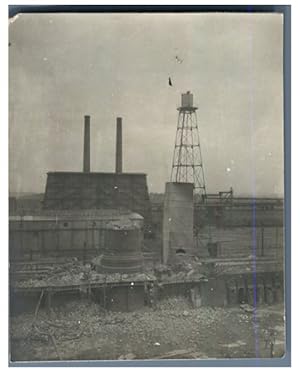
column 119, row 146
column 86, row 145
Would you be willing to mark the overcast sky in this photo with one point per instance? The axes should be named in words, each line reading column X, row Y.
column 107, row 65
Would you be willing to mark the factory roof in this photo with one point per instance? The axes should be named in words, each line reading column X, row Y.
column 105, row 214
column 95, row 173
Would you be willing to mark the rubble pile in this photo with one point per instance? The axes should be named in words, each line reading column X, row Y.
column 72, row 272
column 81, row 330
column 75, row 272
column 174, row 304
column 247, row 266
column 184, row 272
column 122, row 224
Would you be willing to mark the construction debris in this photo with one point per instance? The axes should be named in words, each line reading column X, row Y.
column 247, row 308
column 79, row 330
column 78, row 273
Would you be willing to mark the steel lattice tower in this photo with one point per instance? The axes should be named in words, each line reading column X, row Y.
column 187, row 166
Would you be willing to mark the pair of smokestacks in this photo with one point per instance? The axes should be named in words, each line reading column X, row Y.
column 86, row 145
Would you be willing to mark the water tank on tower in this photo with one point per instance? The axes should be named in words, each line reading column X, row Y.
column 187, row 99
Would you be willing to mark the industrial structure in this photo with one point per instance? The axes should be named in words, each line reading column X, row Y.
column 64, row 234
column 98, row 190
column 186, row 187
column 122, row 250
column 116, row 246
column 178, row 221
column 86, row 145
column 187, row 165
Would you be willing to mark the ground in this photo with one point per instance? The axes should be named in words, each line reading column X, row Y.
column 81, row 330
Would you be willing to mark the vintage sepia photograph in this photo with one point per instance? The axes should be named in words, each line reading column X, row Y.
column 146, row 186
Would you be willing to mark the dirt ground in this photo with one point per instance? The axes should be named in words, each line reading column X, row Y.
column 81, row 331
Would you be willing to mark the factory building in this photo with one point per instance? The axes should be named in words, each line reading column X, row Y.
column 65, row 234
column 98, row 190
column 79, row 209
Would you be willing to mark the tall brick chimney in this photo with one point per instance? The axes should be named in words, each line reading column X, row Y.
column 119, row 146
column 86, row 145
